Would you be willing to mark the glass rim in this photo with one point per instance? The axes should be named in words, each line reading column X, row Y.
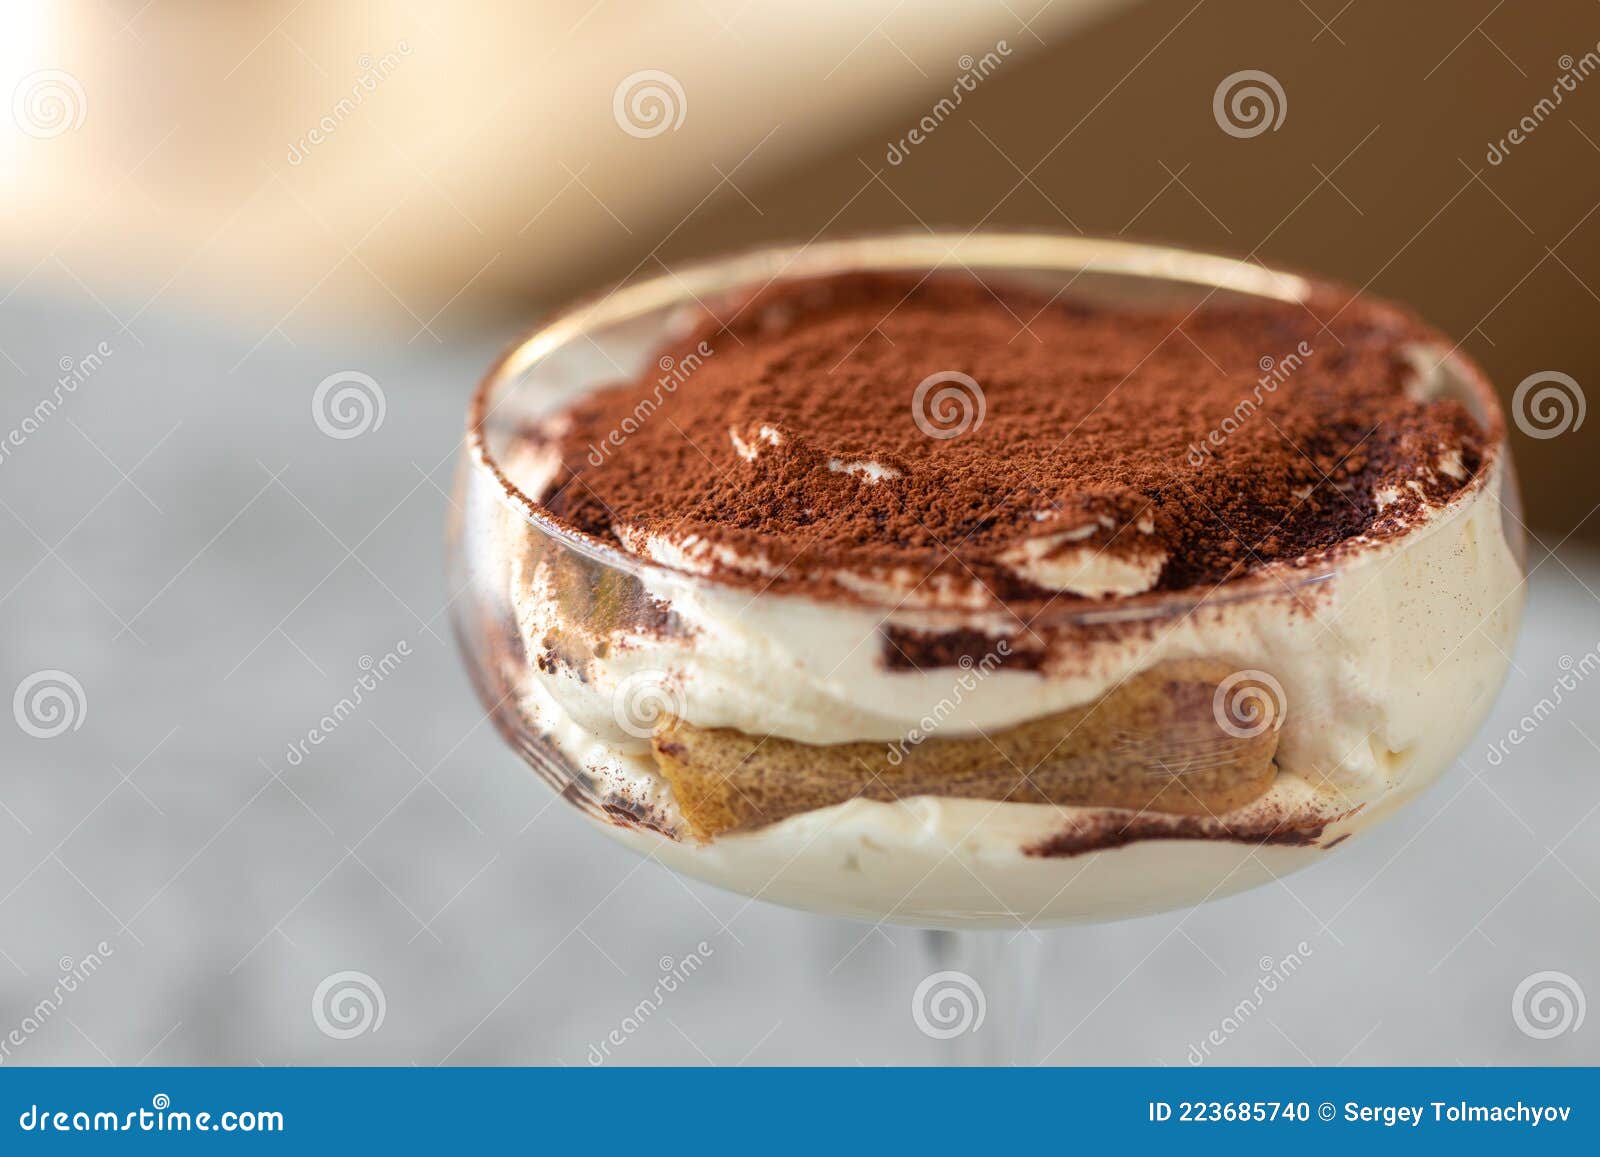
column 902, row 251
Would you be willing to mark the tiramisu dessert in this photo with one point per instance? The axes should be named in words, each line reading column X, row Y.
column 947, row 600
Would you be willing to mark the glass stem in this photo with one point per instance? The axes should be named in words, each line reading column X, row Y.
column 979, row 1004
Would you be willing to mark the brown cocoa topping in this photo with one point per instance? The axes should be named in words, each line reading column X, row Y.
column 829, row 427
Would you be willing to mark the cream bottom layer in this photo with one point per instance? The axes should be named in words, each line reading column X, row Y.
column 948, row 863
column 959, row 863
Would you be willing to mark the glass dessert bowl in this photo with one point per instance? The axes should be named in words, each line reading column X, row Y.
column 698, row 606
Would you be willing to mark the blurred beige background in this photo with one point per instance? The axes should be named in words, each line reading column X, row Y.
column 426, row 171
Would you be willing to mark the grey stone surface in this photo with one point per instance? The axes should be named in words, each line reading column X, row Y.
column 181, row 539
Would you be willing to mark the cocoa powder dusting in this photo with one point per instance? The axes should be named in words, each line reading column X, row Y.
column 787, row 447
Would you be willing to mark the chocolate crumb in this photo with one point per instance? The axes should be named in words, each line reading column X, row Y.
column 905, row 649
column 1116, row 832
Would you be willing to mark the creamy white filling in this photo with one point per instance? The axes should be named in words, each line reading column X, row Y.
column 692, row 553
column 867, row 469
column 1386, row 496
column 748, row 449
column 1085, row 570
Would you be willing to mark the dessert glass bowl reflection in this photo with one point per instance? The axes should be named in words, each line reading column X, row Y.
column 1322, row 698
